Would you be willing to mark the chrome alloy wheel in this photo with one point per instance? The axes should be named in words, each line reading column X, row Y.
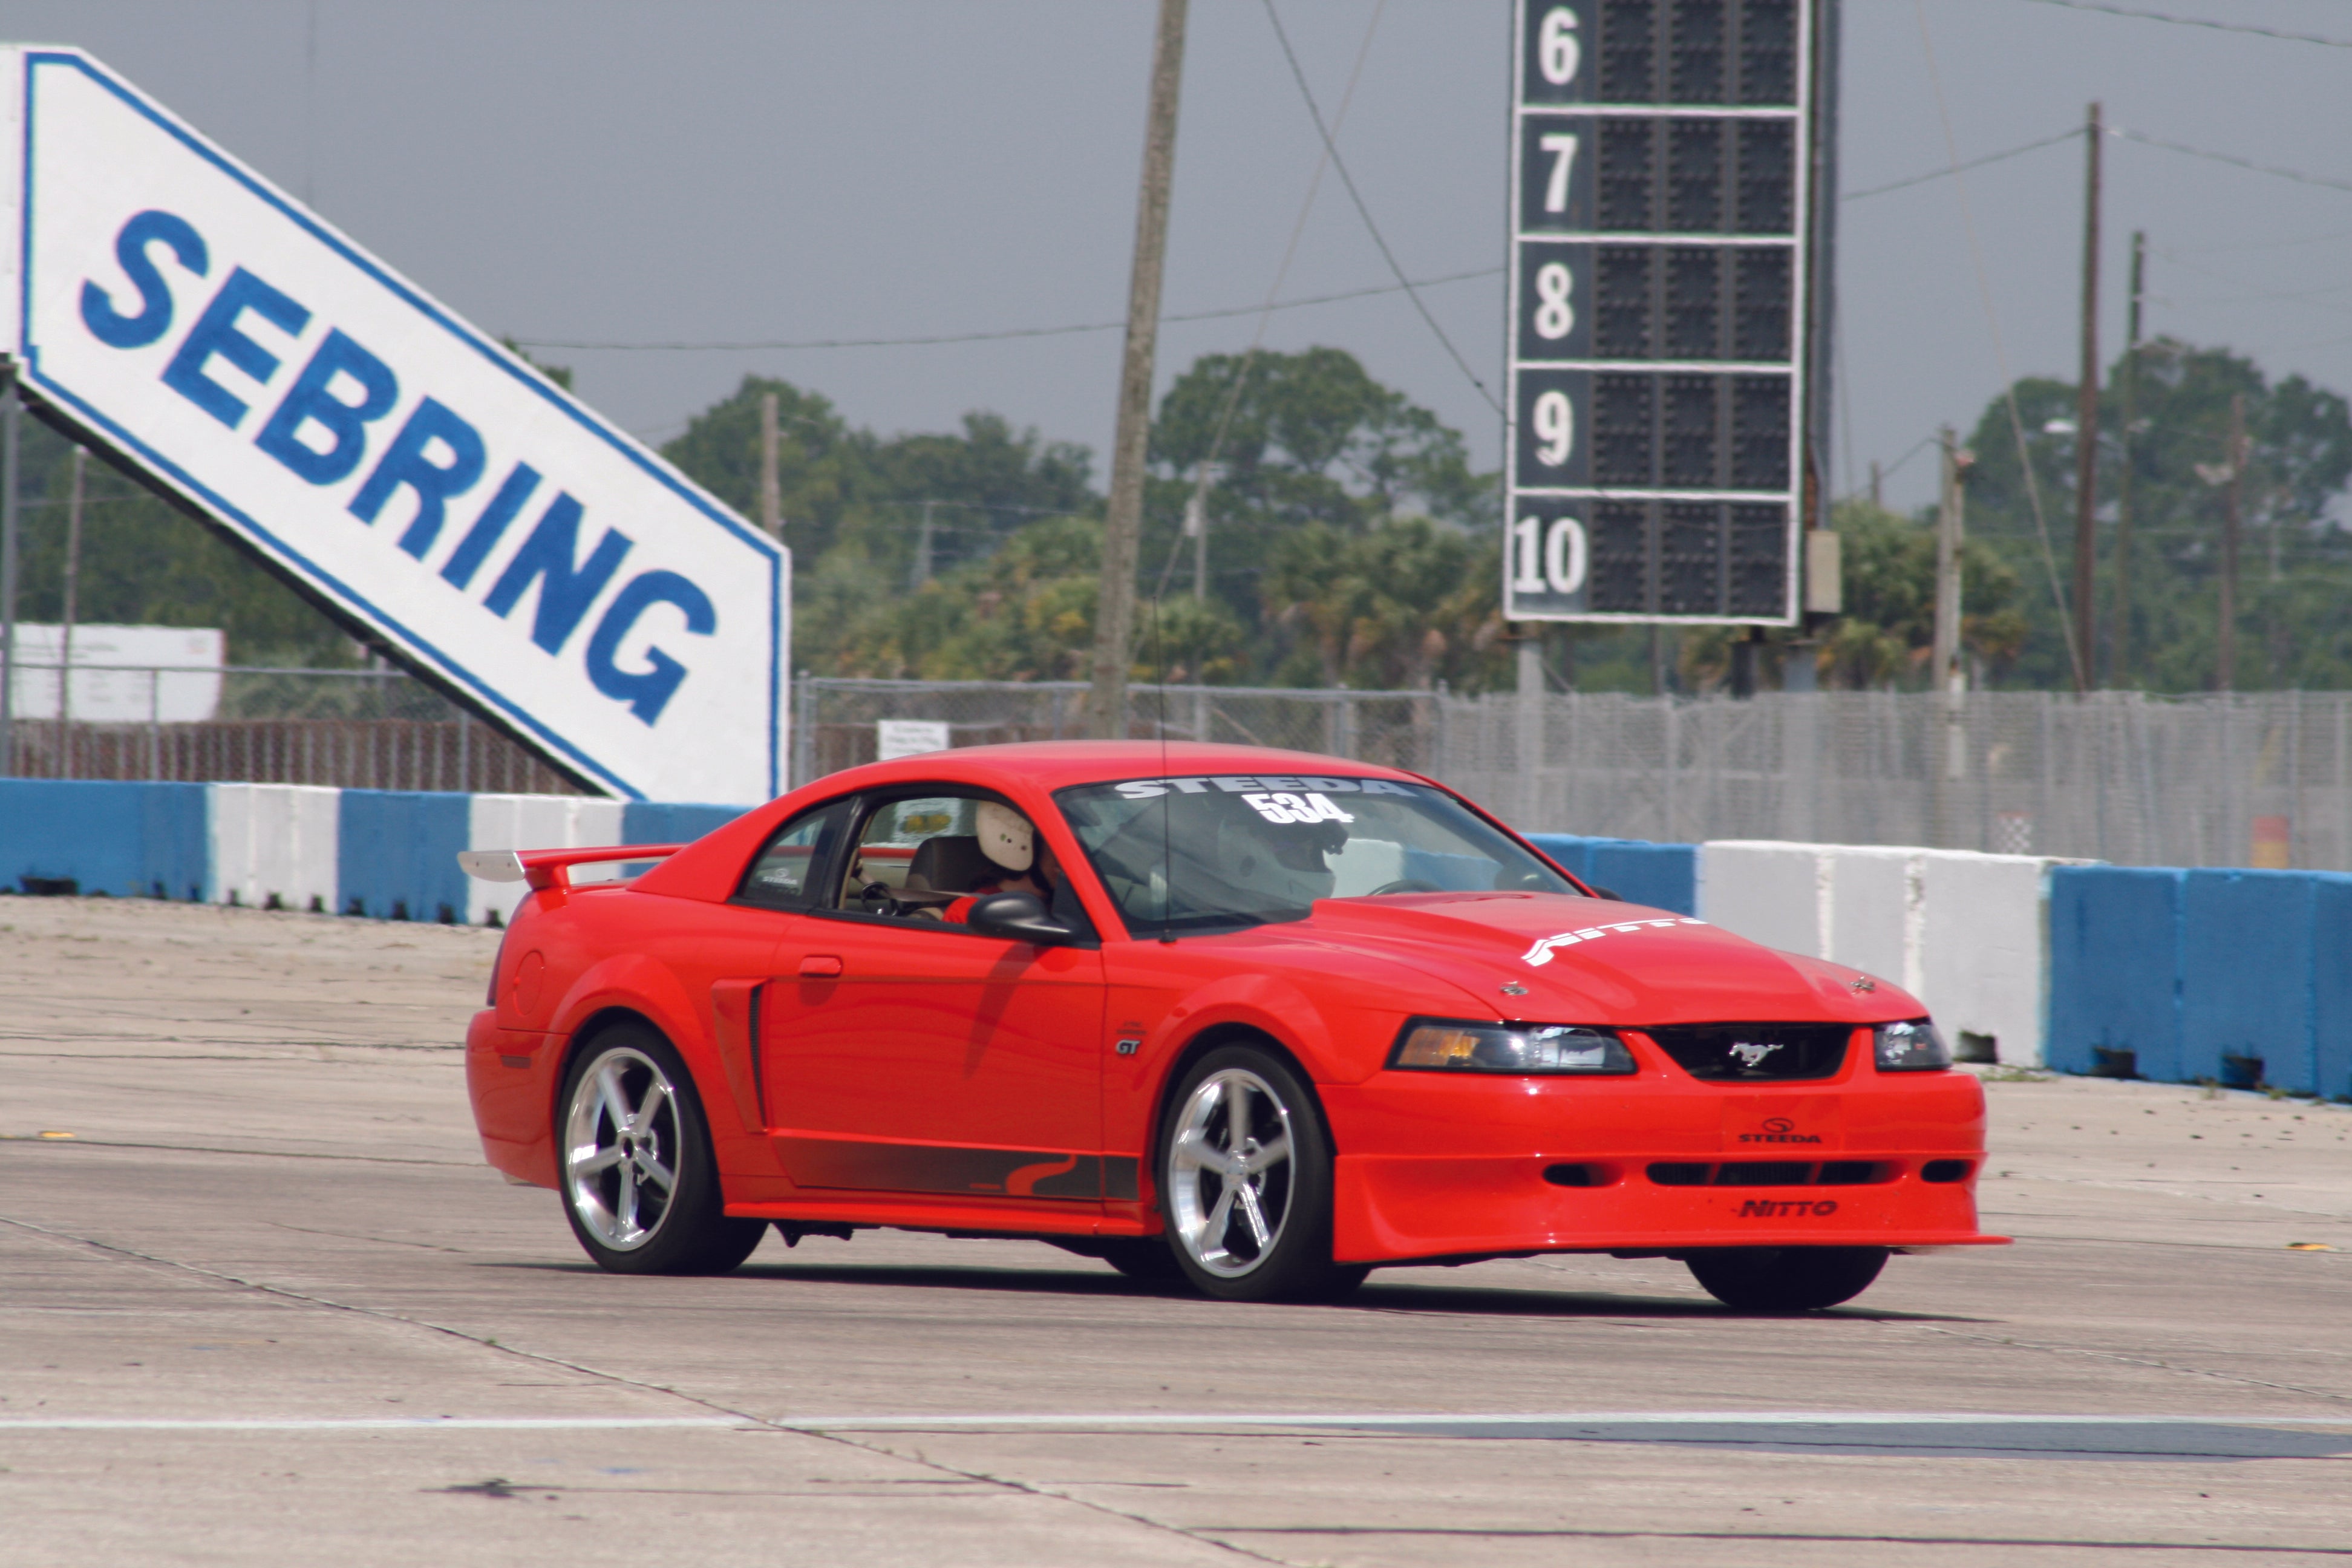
column 1229, row 1175
column 621, row 1147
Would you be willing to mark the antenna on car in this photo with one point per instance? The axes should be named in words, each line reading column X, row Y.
column 1166, row 856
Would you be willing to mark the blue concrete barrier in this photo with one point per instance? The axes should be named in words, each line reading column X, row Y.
column 129, row 840
column 651, row 822
column 396, row 855
column 2115, row 968
column 1661, row 875
column 2331, row 988
column 2226, row 977
column 2246, row 979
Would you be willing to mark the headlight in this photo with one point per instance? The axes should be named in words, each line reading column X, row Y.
column 1441, row 1045
column 1913, row 1046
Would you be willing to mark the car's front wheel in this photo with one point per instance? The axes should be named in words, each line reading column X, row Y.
column 1244, row 1175
column 640, row 1186
column 1786, row 1278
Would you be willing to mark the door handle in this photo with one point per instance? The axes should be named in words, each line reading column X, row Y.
column 820, row 966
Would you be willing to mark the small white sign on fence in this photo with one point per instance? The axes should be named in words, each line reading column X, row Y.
column 121, row 675
column 908, row 738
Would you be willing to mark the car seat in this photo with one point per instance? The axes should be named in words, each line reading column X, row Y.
column 948, row 867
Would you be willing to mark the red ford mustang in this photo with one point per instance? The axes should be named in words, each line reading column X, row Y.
column 1260, row 1021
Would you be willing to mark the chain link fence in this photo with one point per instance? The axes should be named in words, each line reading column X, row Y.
column 359, row 728
column 2261, row 779
column 2126, row 777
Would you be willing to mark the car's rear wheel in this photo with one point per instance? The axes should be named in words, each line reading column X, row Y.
column 1244, row 1175
column 1146, row 1259
column 640, row 1186
column 1786, row 1278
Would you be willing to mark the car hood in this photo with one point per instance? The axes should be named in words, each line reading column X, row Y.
column 1577, row 960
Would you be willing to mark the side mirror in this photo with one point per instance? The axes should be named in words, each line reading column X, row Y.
column 1020, row 917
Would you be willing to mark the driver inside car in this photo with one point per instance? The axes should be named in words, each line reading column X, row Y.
column 1024, row 862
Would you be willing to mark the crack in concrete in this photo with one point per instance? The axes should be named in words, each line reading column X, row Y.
column 304, row 1299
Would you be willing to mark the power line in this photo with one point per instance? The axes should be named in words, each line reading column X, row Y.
column 1011, row 331
column 2259, row 32
column 2300, row 178
column 2076, row 657
column 1950, row 169
column 1340, row 165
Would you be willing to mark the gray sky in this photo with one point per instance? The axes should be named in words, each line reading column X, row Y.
column 762, row 170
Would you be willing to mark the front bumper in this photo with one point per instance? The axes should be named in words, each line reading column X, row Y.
column 1442, row 1167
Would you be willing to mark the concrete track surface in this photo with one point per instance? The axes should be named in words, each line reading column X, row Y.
column 265, row 1305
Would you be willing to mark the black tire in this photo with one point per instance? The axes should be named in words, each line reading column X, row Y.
column 1212, row 1229
column 1787, row 1278
column 609, row 1162
column 1146, row 1259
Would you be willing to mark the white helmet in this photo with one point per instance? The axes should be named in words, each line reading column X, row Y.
column 1005, row 835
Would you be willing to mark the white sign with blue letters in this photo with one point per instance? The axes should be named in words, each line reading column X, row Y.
column 356, row 432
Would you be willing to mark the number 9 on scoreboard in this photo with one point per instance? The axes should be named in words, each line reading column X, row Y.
column 1549, row 436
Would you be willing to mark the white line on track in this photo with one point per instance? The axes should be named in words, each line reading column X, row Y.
column 1218, row 1420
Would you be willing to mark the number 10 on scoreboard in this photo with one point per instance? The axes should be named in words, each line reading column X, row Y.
column 1550, row 559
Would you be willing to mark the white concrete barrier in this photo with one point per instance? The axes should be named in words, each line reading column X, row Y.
column 1967, row 933
column 276, row 842
column 534, row 822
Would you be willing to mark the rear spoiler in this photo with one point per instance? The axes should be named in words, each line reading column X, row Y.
column 545, row 868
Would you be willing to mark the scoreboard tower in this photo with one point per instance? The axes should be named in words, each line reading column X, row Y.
column 1661, row 231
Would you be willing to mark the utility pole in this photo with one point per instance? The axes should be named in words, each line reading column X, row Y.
column 66, row 630
column 923, row 549
column 2226, row 640
column 1947, row 677
column 2119, row 668
column 2086, row 424
column 1947, row 673
column 1123, row 518
column 1196, row 524
column 1877, row 495
column 11, row 415
column 771, row 495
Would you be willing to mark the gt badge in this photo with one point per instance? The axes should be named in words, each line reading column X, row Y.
column 1513, row 988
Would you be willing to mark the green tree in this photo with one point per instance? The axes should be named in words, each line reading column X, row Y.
column 146, row 562
column 845, row 487
column 2296, row 556
column 1887, row 633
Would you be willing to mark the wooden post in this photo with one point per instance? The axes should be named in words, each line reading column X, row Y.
column 66, row 628
column 1945, row 673
column 2119, row 666
column 10, row 417
column 772, row 496
column 2226, row 637
column 2086, row 426
column 1123, row 518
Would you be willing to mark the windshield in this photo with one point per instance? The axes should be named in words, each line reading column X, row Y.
column 1217, row 853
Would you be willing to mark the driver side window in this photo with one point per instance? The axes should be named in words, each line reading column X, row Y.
column 915, row 859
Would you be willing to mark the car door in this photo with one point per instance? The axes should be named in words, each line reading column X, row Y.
column 907, row 1053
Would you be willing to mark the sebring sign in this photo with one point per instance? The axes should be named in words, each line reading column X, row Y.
column 344, row 424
